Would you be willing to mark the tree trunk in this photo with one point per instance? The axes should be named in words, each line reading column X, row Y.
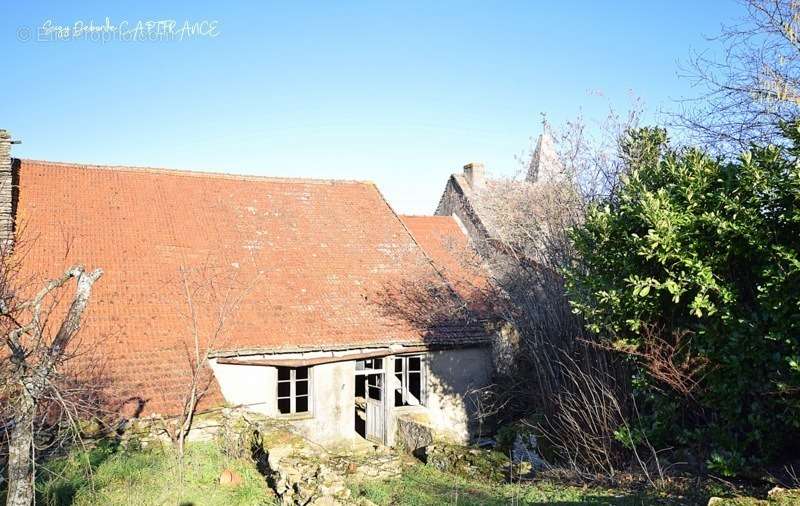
column 20, row 458
column 33, row 380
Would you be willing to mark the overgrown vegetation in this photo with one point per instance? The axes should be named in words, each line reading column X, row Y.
column 111, row 475
column 692, row 270
column 423, row 485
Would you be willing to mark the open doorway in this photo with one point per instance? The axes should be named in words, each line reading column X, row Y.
column 369, row 400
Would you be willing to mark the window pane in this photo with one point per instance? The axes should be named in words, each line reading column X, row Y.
column 361, row 365
column 398, row 398
column 378, row 364
column 414, row 384
column 284, row 406
column 374, row 380
column 301, row 387
column 301, row 373
column 283, row 389
column 283, row 373
column 414, row 363
column 375, row 393
column 398, row 365
column 301, row 404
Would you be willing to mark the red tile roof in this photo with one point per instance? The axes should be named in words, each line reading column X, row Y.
column 310, row 258
column 447, row 245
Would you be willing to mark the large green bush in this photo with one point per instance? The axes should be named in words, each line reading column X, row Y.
column 693, row 246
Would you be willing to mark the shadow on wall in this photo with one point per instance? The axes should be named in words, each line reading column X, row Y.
column 460, row 327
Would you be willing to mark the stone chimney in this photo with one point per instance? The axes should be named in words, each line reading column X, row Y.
column 475, row 174
column 6, row 190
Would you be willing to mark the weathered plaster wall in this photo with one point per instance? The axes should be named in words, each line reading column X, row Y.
column 332, row 418
column 252, row 387
column 451, row 374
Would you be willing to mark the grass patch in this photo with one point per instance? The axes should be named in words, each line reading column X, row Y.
column 149, row 477
column 423, row 486
column 110, row 476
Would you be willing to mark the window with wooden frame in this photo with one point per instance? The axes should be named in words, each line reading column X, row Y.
column 410, row 372
column 294, row 390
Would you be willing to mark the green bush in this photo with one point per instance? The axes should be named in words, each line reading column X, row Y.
column 698, row 260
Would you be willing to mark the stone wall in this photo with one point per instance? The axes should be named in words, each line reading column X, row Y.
column 299, row 471
column 455, row 201
column 6, row 189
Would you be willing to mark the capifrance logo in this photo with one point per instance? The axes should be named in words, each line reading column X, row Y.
column 108, row 30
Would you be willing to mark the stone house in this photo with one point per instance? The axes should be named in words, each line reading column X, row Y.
column 463, row 193
column 315, row 340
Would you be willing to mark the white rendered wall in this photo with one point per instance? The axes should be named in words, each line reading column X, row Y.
column 450, row 376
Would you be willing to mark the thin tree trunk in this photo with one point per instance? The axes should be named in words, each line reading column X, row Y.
column 186, row 425
column 20, row 458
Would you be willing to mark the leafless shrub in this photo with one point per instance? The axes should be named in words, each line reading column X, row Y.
column 581, row 390
column 582, row 427
column 487, row 403
column 670, row 362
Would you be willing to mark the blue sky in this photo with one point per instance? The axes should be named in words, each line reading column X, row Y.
column 400, row 93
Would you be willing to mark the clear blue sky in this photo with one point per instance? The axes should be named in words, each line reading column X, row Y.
column 400, row 93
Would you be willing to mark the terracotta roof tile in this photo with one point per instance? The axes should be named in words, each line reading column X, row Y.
column 320, row 253
column 444, row 241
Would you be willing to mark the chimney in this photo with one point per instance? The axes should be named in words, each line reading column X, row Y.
column 475, row 174
column 6, row 190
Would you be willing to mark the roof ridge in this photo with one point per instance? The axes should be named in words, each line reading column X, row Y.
column 195, row 173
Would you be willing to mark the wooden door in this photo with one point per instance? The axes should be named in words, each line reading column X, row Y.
column 375, row 411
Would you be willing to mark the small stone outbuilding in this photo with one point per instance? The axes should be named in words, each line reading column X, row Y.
column 315, row 339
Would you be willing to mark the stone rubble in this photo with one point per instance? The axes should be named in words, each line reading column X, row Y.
column 525, row 453
column 300, row 471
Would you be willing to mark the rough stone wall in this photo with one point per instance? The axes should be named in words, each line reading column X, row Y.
column 455, row 201
column 300, row 472
column 414, row 431
column 6, row 191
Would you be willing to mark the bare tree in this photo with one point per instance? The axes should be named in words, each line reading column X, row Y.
column 40, row 338
column 752, row 86
column 208, row 298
